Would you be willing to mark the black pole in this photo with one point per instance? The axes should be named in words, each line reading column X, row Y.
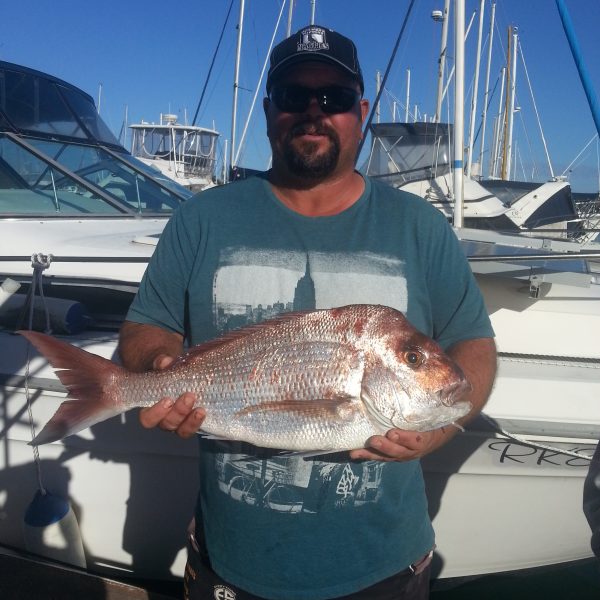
column 212, row 64
column 387, row 72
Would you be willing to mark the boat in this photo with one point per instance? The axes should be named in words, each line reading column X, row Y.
column 79, row 219
column 416, row 157
column 185, row 153
column 507, row 494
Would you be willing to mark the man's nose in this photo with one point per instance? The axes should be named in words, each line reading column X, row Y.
column 313, row 106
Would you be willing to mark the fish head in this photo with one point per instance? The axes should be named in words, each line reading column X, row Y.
column 410, row 382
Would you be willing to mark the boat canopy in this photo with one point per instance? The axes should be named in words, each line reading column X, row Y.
column 58, row 158
column 34, row 103
column 403, row 152
column 191, row 148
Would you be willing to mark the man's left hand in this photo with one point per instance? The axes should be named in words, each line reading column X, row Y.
column 400, row 445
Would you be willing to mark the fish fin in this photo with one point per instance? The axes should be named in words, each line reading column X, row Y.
column 209, row 436
column 317, row 407
column 90, row 380
column 308, row 453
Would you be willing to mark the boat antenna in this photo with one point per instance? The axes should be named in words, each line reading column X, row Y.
column 385, row 76
column 212, row 64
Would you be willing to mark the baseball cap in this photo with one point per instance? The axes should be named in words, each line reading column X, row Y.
column 315, row 43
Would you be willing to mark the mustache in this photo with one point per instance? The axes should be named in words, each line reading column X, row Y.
column 314, row 128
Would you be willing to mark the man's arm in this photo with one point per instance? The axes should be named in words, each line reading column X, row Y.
column 477, row 359
column 142, row 346
column 147, row 347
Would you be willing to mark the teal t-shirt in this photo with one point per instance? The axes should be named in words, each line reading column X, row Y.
column 286, row 526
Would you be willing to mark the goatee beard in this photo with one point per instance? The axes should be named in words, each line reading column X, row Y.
column 305, row 161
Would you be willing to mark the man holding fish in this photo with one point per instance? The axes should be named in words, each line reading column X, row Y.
column 345, row 256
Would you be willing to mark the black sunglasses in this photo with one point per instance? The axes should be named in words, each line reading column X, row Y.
column 333, row 99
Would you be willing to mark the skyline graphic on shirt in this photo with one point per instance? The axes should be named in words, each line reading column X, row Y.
column 251, row 286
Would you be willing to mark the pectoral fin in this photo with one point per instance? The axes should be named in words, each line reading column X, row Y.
column 327, row 408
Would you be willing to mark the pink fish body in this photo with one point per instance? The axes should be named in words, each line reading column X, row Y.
column 309, row 381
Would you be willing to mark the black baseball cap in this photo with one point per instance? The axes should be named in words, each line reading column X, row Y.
column 315, row 43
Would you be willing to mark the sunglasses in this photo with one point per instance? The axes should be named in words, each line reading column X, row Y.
column 333, row 99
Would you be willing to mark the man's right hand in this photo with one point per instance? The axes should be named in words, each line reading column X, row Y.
column 177, row 416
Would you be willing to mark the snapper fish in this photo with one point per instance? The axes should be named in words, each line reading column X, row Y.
column 322, row 380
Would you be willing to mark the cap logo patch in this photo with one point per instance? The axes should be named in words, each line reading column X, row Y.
column 312, row 39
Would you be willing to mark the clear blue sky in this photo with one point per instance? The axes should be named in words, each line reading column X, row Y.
column 153, row 57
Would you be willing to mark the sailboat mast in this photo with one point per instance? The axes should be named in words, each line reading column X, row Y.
column 503, row 174
column 487, row 89
column 475, row 91
column 236, row 85
column 498, row 128
column 289, row 21
column 442, row 63
column 459, row 92
column 511, row 113
column 407, row 103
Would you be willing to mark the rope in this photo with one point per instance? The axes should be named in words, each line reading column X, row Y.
column 522, row 440
column 537, row 115
column 39, row 263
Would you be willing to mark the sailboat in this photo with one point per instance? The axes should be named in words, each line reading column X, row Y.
column 417, row 157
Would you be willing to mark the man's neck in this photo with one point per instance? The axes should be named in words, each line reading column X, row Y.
column 319, row 198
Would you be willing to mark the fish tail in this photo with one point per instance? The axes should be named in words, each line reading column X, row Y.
column 90, row 380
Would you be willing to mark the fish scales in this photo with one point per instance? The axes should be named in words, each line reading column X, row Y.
column 319, row 380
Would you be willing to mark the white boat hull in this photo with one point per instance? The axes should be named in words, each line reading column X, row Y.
column 498, row 504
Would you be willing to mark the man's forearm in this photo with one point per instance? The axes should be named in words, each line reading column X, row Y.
column 140, row 345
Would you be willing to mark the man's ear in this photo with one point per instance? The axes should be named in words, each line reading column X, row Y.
column 364, row 109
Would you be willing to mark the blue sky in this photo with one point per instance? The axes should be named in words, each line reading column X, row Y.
column 153, row 57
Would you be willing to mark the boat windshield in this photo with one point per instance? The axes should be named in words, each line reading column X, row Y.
column 403, row 152
column 44, row 177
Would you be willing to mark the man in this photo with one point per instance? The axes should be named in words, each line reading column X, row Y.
column 312, row 233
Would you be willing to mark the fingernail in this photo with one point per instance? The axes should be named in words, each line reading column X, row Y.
column 199, row 414
column 168, row 402
column 189, row 400
column 376, row 443
column 393, row 436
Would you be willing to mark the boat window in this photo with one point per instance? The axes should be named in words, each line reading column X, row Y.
column 135, row 191
column 33, row 104
column 154, row 173
column 29, row 186
column 407, row 152
column 86, row 111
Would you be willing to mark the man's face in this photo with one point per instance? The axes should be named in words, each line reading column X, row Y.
column 312, row 144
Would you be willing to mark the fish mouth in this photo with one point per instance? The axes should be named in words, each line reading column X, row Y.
column 450, row 395
column 431, row 420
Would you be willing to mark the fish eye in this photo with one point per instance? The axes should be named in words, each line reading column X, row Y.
column 414, row 358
